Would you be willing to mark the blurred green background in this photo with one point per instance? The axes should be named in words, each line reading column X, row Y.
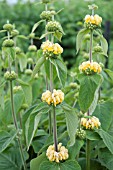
column 25, row 14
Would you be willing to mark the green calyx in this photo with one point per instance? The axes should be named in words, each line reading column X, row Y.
column 80, row 133
column 28, row 72
column 32, row 35
column 17, row 88
column 53, row 26
column 8, row 27
column 8, row 43
column 97, row 48
column 10, row 76
column 18, row 50
column 32, row 48
column 30, row 61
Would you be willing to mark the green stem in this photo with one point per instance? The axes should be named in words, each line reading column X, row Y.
column 50, row 123
column 91, row 46
column 55, row 130
column 88, row 154
column 16, row 125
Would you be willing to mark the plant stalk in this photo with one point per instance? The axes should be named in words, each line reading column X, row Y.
column 55, row 130
column 91, row 46
column 88, row 154
column 16, row 125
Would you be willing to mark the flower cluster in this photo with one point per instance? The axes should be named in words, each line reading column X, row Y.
column 92, row 21
column 54, row 26
column 90, row 123
column 81, row 133
column 90, row 67
column 50, row 49
column 54, row 156
column 56, row 97
column 47, row 15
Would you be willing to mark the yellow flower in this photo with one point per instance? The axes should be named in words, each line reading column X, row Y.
column 50, row 48
column 90, row 123
column 87, row 18
column 46, row 96
column 54, row 156
column 90, row 67
column 56, row 97
column 96, row 19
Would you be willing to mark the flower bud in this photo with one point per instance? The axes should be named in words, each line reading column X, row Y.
column 32, row 35
column 17, row 88
column 46, row 15
column 28, row 71
column 81, row 133
column 73, row 85
column 32, row 48
column 10, row 76
column 18, row 50
column 14, row 33
column 98, row 49
column 87, row 37
column 53, row 26
column 24, row 106
column 8, row 27
column 30, row 61
column 8, row 43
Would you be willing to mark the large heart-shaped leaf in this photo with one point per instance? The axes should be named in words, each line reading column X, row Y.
column 88, row 87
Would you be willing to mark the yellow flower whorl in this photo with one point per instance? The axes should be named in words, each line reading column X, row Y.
column 54, row 156
column 50, row 49
column 56, row 97
column 95, row 20
column 90, row 67
column 90, row 123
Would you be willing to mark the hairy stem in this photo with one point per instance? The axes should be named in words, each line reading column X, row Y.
column 55, row 130
column 16, row 125
column 91, row 46
column 88, row 154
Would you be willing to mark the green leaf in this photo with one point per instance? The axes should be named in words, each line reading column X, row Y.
column 23, row 37
column 32, row 122
column 88, row 87
column 95, row 101
column 79, row 39
column 70, row 165
column 67, row 165
column 104, row 111
column 5, row 139
column 58, row 35
column 2, row 31
column 38, row 65
column 75, row 149
column 46, row 34
column 10, row 159
column 107, row 139
column 2, row 95
column 9, row 51
column 35, row 163
column 6, row 115
column 61, row 70
column 27, row 89
column 92, row 135
column 71, row 122
column 49, row 166
column 109, row 72
column 36, row 25
column 106, row 158
column 104, row 43
column 22, row 61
